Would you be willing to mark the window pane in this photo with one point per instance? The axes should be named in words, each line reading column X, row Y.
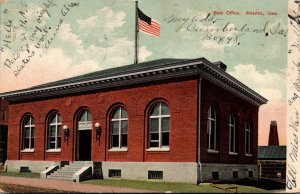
column 89, row 116
column 115, row 127
column 53, row 119
column 212, row 112
column 51, row 145
column 116, row 113
column 32, row 132
column 165, row 124
column 32, row 121
column 212, row 139
column 59, row 130
column 58, row 118
column 27, row 120
column 26, row 143
column 124, row 113
column 82, row 116
column 154, row 136
column 153, row 144
column 26, row 132
column 115, row 141
column 154, row 124
column 155, row 110
column 165, row 109
column 58, row 142
column 124, row 126
column 165, row 139
column 232, row 120
column 124, row 140
column 32, row 143
column 52, row 131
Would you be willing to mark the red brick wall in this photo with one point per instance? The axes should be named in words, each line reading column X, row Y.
column 180, row 96
column 227, row 103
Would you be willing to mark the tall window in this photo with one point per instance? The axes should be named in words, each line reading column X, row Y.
column 248, row 137
column 54, row 131
column 85, row 120
column 160, row 126
column 119, row 128
column 28, row 133
column 212, row 128
column 232, row 131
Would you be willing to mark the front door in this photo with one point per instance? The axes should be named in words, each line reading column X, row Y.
column 84, row 145
column 84, row 136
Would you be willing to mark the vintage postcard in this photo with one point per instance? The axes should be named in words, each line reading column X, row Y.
column 191, row 91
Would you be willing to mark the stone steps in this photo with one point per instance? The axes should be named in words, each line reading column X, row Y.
column 67, row 172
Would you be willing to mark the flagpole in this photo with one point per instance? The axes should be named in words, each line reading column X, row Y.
column 136, row 34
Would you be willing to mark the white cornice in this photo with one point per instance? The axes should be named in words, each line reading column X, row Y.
column 143, row 75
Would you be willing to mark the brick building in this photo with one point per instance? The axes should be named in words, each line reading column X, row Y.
column 272, row 158
column 170, row 119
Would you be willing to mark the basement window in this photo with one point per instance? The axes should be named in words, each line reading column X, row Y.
column 250, row 174
column 235, row 174
column 155, row 175
column 114, row 173
column 215, row 176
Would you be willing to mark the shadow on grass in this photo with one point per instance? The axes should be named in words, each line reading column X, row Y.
column 263, row 183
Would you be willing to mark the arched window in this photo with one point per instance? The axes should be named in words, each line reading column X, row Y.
column 85, row 120
column 159, row 126
column 232, row 131
column 28, row 133
column 212, row 128
column 119, row 128
column 248, row 137
column 54, row 131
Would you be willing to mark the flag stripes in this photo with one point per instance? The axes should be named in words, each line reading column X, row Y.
column 153, row 29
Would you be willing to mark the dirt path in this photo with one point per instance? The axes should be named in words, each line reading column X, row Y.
column 67, row 185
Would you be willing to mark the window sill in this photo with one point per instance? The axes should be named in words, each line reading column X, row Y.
column 118, row 150
column 233, row 153
column 248, row 155
column 213, row 151
column 53, row 150
column 158, row 149
column 27, row 151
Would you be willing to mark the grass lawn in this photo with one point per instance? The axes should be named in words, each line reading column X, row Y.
column 253, row 187
column 176, row 187
column 21, row 174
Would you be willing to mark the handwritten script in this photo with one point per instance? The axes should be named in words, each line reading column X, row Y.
column 213, row 27
column 293, row 96
column 20, row 49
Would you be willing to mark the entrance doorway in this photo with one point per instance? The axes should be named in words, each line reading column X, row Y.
column 3, row 143
column 84, row 145
column 84, row 136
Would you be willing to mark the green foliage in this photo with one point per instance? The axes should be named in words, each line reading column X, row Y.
column 21, row 174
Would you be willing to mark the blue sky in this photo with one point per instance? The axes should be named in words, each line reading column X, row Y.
column 97, row 35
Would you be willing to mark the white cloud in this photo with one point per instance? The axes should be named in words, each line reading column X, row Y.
column 270, row 85
column 106, row 20
column 144, row 53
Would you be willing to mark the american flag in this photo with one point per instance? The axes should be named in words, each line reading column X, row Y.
column 148, row 25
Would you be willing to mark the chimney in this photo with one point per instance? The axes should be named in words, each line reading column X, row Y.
column 273, row 135
column 221, row 65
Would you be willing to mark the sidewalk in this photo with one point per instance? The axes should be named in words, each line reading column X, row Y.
column 67, row 185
